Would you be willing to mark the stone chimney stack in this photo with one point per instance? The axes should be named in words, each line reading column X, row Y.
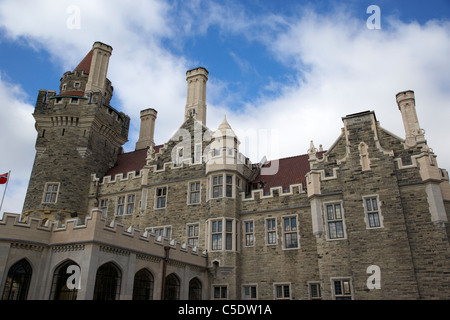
column 407, row 106
column 147, row 130
column 196, row 94
column 99, row 68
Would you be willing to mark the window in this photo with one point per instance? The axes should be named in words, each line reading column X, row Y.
column 59, row 290
column 229, row 186
column 164, row 231
column 216, row 233
column 130, row 203
column 250, row 292
column 314, row 290
column 120, row 205
column 342, row 289
column 372, row 212
column 123, row 202
column 195, row 289
column 271, row 231
column 290, row 233
column 51, row 192
column 282, row 291
column 76, row 84
column 74, row 100
column 107, row 282
column 194, row 192
column 172, row 287
column 222, row 234
column 18, row 281
column 335, row 221
column 220, row 292
column 143, row 285
column 217, row 186
column 192, row 234
column 161, row 194
column 228, row 234
column 104, row 207
column 248, row 233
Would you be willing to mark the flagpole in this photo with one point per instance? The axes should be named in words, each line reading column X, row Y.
column 4, row 192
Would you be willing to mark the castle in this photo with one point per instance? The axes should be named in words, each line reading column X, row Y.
column 194, row 218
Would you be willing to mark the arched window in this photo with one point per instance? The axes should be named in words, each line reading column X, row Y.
column 18, row 281
column 107, row 282
column 59, row 290
column 143, row 285
column 172, row 288
column 195, row 289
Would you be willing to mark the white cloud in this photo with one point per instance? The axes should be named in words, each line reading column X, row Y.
column 344, row 68
column 17, row 144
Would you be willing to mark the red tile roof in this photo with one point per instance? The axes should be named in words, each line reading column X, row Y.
column 291, row 170
column 129, row 162
column 85, row 64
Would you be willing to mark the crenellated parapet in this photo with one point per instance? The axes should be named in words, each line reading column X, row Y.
column 95, row 230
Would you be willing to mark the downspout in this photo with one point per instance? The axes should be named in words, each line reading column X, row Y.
column 163, row 282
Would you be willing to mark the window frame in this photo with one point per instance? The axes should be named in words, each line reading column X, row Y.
column 166, row 231
column 224, row 183
column 51, row 192
column 247, row 233
column 368, row 212
column 166, row 189
column 130, row 204
column 335, row 220
column 218, row 185
column 319, row 290
column 283, row 285
column 190, row 192
column 223, row 238
column 286, row 232
column 250, row 286
column 195, row 236
column 221, row 287
column 343, row 295
column 268, row 231
column 103, row 206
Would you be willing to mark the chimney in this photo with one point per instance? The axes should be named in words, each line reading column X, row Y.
column 147, row 130
column 99, row 68
column 196, row 94
column 407, row 106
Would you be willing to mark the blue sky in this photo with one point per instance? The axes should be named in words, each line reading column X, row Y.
column 284, row 69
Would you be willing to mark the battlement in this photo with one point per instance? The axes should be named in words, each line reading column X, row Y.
column 95, row 230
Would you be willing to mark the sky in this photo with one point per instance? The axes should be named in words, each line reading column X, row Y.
column 283, row 72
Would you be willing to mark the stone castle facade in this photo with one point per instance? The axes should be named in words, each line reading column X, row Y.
column 193, row 218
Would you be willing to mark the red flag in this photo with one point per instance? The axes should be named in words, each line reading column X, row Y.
column 3, row 178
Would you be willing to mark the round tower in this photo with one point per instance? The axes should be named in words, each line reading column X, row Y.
column 78, row 134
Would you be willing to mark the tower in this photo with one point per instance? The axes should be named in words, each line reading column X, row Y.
column 78, row 134
column 196, row 94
